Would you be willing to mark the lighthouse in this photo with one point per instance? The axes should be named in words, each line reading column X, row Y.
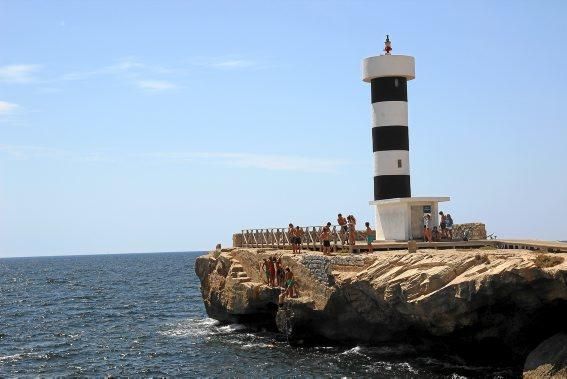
column 399, row 216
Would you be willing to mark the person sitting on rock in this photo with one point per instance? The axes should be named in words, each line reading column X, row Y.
column 325, row 238
column 436, row 236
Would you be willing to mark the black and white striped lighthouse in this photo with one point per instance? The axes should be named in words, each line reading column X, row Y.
column 388, row 76
column 398, row 214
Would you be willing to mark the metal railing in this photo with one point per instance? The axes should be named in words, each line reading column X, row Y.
column 280, row 238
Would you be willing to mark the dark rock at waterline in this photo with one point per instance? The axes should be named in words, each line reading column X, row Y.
column 548, row 359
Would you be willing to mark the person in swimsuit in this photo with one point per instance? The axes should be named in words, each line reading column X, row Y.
column 325, row 238
column 443, row 225
column 264, row 267
column 344, row 229
column 298, row 235
column 291, row 236
column 290, row 283
column 449, row 226
column 369, row 233
column 426, row 227
column 272, row 270
column 280, row 272
column 351, row 229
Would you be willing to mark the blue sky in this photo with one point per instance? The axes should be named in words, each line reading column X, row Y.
column 140, row 126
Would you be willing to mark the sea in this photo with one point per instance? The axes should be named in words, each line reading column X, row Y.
column 142, row 315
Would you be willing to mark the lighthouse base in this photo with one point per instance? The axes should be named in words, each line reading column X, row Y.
column 401, row 219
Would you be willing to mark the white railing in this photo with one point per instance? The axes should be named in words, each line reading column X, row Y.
column 280, row 238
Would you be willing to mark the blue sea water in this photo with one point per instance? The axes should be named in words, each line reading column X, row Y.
column 142, row 315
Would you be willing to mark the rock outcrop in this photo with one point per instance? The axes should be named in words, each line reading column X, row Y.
column 549, row 359
column 475, row 302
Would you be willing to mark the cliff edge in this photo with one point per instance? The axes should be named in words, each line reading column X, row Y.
column 474, row 302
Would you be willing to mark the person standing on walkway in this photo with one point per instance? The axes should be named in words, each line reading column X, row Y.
column 298, row 235
column 291, row 236
column 325, row 238
column 370, row 236
column 351, row 230
column 344, row 229
column 427, row 227
column 449, row 227
column 443, row 225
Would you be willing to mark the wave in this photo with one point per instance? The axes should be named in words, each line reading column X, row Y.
column 191, row 327
column 354, row 350
column 11, row 358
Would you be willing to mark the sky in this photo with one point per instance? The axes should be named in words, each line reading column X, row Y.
column 146, row 126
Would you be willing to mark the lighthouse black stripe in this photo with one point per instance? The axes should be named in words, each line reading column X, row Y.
column 393, row 137
column 389, row 89
column 391, row 186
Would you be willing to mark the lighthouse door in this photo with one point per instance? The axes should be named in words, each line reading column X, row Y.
column 417, row 222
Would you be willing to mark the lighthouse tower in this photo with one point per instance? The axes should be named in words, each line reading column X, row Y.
column 398, row 215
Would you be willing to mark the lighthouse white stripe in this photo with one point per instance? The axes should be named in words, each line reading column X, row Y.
column 386, row 162
column 387, row 113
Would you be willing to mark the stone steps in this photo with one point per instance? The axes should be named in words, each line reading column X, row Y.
column 237, row 272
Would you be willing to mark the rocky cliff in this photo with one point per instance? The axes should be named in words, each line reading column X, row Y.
column 482, row 303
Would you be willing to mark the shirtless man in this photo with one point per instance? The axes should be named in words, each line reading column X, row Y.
column 325, row 238
column 343, row 224
column 291, row 236
column 298, row 235
column 289, row 283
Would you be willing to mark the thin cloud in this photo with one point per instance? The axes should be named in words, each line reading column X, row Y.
column 260, row 161
column 123, row 66
column 7, row 108
column 155, row 85
column 234, row 64
column 27, row 152
column 18, row 73
column 270, row 162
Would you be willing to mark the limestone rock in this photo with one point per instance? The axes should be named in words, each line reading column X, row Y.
column 480, row 302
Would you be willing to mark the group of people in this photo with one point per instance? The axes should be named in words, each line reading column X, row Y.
column 295, row 234
column 347, row 233
column 348, row 228
column 277, row 276
column 434, row 234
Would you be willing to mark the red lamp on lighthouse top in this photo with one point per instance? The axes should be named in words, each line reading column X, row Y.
column 388, row 45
